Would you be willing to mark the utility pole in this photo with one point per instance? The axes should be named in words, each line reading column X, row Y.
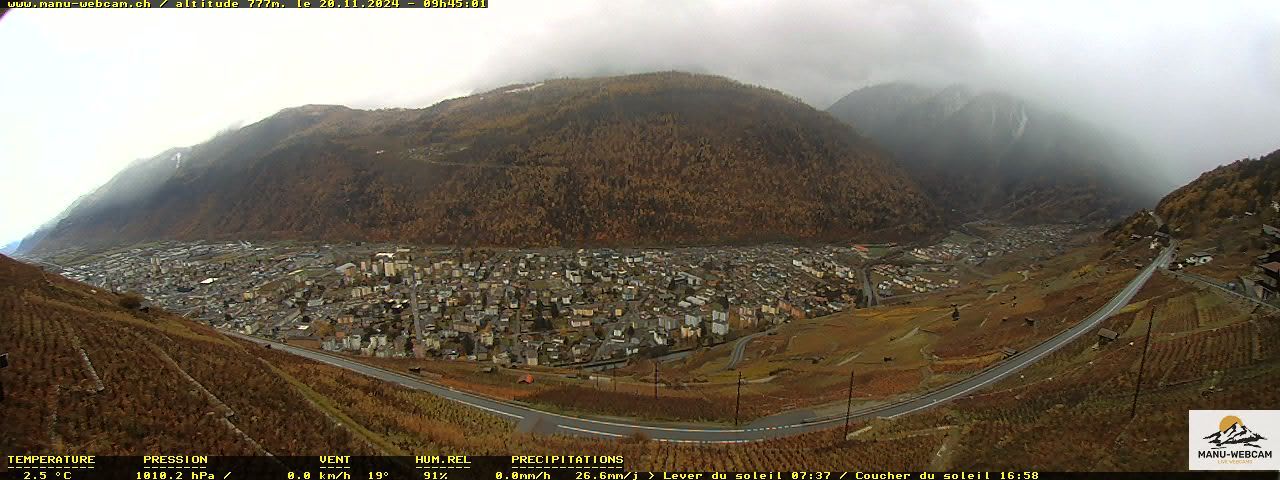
column 4, row 362
column 737, row 404
column 613, row 377
column 655, row 379
column 1133, row 410
column 848, row 406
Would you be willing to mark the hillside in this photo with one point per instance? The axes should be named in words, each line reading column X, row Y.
column 1245, row 188
column 990, row 155
column 645, row 159
column 83, row 367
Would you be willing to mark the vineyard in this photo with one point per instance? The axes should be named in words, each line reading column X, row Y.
column 1214, row 310
column 83, row 369
column 1265, row 342
column 1197, row 355
column 1178, row 315
column 404, row 420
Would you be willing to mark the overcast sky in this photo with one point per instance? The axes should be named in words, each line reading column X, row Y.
column 85, row 92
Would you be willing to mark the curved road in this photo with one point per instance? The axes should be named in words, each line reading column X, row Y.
column 545, row 421
column 740, row 348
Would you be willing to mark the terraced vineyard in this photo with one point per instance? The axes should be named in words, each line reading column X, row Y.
column 1198, row 355
column 398, row 420
column 1213, row 310
column 1178, row 315
column 83, row 368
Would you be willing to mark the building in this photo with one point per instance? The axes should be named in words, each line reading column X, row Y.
column 1198, row 258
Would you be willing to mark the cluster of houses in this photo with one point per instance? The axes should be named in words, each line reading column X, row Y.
column 564, row 307
column 1017, row 238
column 893, row 280
column 529, row 307
column 1264, row 282
column 507, row 306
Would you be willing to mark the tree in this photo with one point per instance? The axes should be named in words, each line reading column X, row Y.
column 130, row 301
column 468, row 344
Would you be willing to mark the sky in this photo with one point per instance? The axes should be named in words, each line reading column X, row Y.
column 85, row 92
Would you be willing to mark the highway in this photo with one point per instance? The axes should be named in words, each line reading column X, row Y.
column 544, row 422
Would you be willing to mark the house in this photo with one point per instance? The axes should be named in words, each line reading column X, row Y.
column 1270, row 279
column 721, row 316
column 1198, row 258
column 719, row 328
column 1271, row 232
column 1106, row 336
column 658, row 338
column 687, row 331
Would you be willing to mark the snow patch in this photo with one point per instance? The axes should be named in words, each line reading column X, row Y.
column 1022, row 123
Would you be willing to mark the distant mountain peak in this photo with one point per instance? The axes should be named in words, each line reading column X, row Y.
column 988, row 154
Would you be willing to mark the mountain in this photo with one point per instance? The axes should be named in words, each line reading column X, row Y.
column 991, row 155
column 1243, row 188
column 1236, row 434
column 660, row 158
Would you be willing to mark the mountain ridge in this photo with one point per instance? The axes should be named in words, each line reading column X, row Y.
column 666, row 158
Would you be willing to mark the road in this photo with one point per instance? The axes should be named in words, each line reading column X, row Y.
column 867, row 287
column 1216, row 284
column 569, row 425
column 740, row 348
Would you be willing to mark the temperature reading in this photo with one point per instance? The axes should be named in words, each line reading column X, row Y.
column 42, row 475
column 377, row 475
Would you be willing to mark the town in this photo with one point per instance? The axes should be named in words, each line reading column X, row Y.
column 552, row 307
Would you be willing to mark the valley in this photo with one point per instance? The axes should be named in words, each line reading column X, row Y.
column 623, row 239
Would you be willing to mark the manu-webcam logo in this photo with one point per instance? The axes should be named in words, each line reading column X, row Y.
column 1232, row 439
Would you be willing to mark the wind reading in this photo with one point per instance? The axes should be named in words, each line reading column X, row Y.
column 639, row 240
